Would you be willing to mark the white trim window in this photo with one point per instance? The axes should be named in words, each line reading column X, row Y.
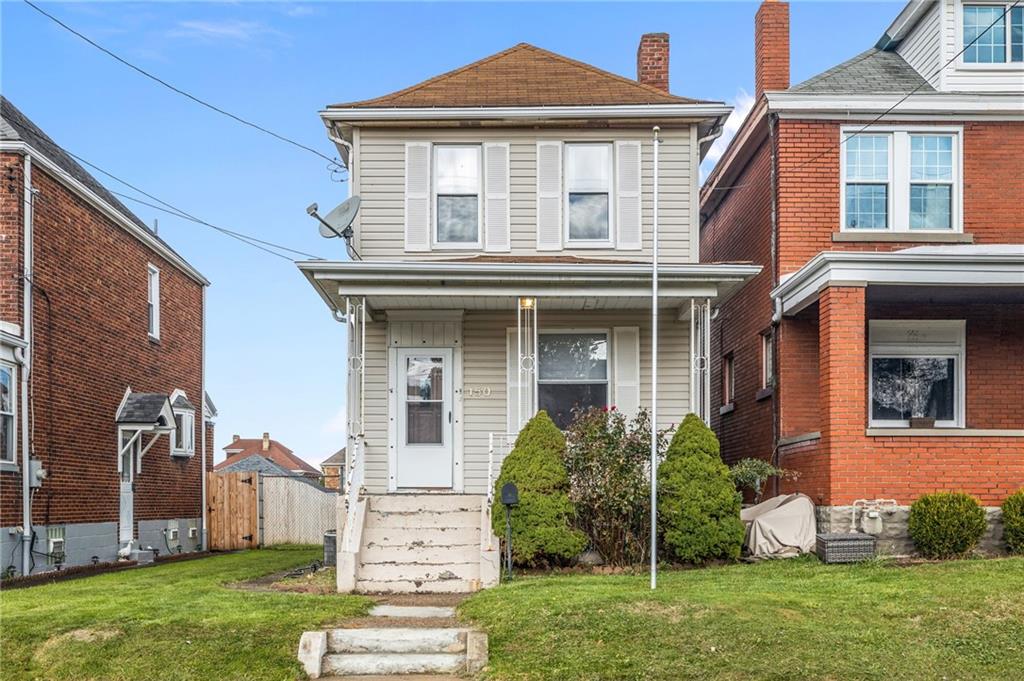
column 457, row 195
column 184, row 432
column 901, row 180
column 916, row 370
column 153, row 301
column 589, row 203
column 573, row 373
column 767, row 360
column 8, row 413
column 728, row 379
column 997, row 32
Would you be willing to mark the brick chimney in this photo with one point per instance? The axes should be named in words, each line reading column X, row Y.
column 235, row 438
column 652, row 60
column 771, row 48
column 266, row 441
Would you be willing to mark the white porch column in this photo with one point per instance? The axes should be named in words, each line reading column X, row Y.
column 355, row 316
column 700, row 364
column 526, row 352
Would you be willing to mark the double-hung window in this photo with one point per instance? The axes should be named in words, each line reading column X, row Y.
column 917, row 371
column 588, row 193
column 728, row 379
column 153, row 301
column 901, row 180
column 767, row 360
column 457, row 206
column 573, row 373
column 184, row 432
column 7, row 413
column 993, row 33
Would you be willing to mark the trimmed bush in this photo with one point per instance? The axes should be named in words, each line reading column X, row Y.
column 698, row 505
column 542, row 524
column 946, row 524
column 1013, row 521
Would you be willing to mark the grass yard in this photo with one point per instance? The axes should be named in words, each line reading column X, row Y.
column 171, row 621
column 793, row 619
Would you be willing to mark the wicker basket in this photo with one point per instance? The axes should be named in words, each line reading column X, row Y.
column 845, row 547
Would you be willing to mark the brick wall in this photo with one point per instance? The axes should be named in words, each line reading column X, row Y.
column 740, row 231
column 11, row 221
column 91, row 343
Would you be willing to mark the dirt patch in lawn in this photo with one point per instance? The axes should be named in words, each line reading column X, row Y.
column 74, row 636
column 321, row 582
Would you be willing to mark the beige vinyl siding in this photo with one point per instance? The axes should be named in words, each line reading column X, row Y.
column 922, row 48
column 380, row 169
column 484, row 370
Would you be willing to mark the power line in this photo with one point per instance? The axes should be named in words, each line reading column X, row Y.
column 888, row 111
column 334, row 163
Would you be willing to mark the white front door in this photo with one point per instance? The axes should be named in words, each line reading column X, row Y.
column 423, row 386
column 126, row 526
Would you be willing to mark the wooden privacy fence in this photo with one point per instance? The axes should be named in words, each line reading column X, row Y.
column 233, row 510
column 247, row 510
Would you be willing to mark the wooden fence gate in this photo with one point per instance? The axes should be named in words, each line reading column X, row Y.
column 233, row 510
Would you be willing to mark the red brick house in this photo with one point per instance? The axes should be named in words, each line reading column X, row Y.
column 879, row 351
column 102, row 409
column 265, row 455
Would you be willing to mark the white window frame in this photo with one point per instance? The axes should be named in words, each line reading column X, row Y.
column 899, row 177
column 767, row 360
column 728, row 379
column 12, row 414
column 955, row 349
column 983, row 66
column 457, row 245
column 153, row 301
column 567, row 189
column 188, row 421
column 609, row 369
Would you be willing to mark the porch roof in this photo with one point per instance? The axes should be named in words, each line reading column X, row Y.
column 1000, row 265
column 497, row 285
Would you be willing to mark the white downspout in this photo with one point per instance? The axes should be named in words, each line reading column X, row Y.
column 654, row 369
column 202, row 421
column 28, row 201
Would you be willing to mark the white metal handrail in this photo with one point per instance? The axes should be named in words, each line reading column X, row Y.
column 355, row 476
column 498, row 445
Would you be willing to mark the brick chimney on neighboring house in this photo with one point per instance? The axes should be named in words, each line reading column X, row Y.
column 652, row 60
column 266, row 441
column 771, row 48
column 236, row 438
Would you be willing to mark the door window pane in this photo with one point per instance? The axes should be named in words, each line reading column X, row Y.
column 457, row 185
column 990, row 46
column 559, row 400
column 424, row 408
column 573, row 356
column 588, row 170
column 903, row 387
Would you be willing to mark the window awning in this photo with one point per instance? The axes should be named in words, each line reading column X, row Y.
column 942, row 266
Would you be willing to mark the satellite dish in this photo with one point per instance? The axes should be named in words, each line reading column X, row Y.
column 338, row 220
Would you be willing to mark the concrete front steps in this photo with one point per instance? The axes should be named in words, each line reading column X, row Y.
column 425, row 543
column 389, row 651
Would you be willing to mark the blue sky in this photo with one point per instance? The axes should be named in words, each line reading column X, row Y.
column 275, row 356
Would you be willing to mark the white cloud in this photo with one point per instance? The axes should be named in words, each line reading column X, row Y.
column 214, row 31
column 299, row 10
column 742, row 103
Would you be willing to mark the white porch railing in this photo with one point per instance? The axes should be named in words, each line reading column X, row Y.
column 354, row 480
column 498, row 447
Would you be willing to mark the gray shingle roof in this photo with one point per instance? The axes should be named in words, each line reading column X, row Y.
column 181, row 402
column 142, row 408
column 872, row 72
column 336, row 459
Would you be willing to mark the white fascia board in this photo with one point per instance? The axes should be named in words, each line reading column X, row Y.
column 712, row 110
column 801, row 288
column 109, row 211
column 940, row 105
column 903, row 23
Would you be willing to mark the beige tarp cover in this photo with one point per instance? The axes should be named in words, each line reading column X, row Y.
column 781, row 527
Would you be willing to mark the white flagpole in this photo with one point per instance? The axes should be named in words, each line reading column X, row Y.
column 654, row 371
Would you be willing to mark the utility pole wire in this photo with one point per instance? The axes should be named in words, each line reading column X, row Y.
column 335, row 165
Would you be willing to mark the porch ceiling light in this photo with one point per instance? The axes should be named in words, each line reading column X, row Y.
column 526, row 303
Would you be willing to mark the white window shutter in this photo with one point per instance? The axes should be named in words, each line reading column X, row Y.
column 627, row 183
column 512, row 377
column 626, row 354
column 549, row 196
column 496, row 197
column 417, row 196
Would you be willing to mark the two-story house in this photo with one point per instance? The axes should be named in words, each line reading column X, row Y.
column 503, row 259
column 103, row 415
column 879, row 352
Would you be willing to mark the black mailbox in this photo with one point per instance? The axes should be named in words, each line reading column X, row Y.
column 510, row 494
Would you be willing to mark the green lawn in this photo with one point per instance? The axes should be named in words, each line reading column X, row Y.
column 793, row 619
column 171, row 621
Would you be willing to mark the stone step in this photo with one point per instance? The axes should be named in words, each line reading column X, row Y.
column 396, row 640
column 423, row 519
column 396, row 536
column 425, row 555
column 412, row 611
column 387, row 572
column 444, row 586
column 426, row 502
column 393, row 663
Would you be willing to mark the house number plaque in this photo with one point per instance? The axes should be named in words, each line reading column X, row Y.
column 477, row 392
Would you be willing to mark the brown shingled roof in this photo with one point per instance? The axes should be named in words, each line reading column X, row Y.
column 245, row 447
column 523, row 75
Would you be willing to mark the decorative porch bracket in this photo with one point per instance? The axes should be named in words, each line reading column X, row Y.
column 700, row 366
column 526, row 349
